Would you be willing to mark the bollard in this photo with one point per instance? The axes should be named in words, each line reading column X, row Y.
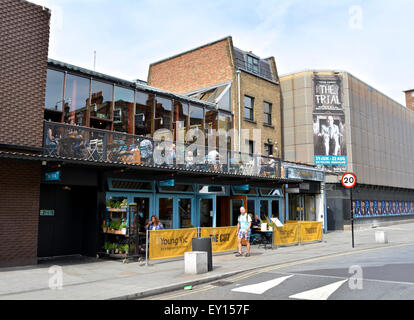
column 381, row 237
column 204, row 244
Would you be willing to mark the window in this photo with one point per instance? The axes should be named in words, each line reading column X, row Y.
column 163, row 114
column 412, row 94
column 268, row 149
column 180, row 116
column 54, row 90
column 124, row 109
column 250, row 147
column 252, row 64
column 225, row 122
column 248, row 108
column 143, row 113
column 76, row 99
column 267, row 113
column 196, row 117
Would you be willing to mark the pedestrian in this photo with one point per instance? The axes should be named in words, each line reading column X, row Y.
column 244, row 222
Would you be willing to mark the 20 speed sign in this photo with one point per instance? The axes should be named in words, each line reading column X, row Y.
column 349, row 180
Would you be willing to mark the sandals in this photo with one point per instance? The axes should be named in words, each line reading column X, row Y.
column 247, row 255
column 239, row 254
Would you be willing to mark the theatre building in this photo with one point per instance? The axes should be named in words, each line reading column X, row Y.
column 79, row 145
column 335, row 121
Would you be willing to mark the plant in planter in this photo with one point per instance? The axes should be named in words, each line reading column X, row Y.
column 107, row 247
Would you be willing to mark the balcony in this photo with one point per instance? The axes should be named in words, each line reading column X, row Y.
column 64, row 141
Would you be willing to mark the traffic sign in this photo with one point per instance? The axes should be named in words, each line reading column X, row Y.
column 349, row 180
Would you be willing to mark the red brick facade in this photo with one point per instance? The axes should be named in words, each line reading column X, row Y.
column 19, row 212
column 409, row 98
column 24, row 39
column 199, row 68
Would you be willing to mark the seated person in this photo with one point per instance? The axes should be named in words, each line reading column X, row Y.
column 51, row 142
column 256, row 224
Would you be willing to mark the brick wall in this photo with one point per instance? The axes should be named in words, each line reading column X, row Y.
column 24, row 38
column 409, row 99
column 261, row 90
column 19, row 212
column 199, row 68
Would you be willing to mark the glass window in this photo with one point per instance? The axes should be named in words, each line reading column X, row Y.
column 76, row 99
column 412, row 94
column 225, row 102
column 196, row 117
column 54, row 90
column 184, row 212
column 252, row 64
column 124, row 109
column 264, row 209
column 101, row 100
column 179, row 188
column 143, row 113
column 248, row 108
column 163, row 112
column 211, row 123
column 268, row 149
column 180, row 115
column 275, row 209
column 267, row 113
column 225, row 122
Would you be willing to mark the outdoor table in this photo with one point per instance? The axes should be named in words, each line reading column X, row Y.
column 265, row 238
column 66, row 144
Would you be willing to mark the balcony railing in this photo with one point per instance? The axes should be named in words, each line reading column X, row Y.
column 82, row 143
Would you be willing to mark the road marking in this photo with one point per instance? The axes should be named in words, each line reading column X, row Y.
column 259, row 288
column 289, row 264
column 322, row 293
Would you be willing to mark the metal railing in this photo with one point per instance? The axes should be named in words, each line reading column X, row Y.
column 83, row 143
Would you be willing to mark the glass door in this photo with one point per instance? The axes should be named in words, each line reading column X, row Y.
column 236, row 202
column 165, row 209
column 143, row 211
column 185, row 212
column 206, row 211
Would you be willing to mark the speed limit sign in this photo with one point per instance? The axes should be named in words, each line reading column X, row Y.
column 349, row 180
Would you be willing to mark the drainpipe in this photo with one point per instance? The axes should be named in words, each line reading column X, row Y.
column 238, row 101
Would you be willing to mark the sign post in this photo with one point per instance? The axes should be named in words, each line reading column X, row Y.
column 349, row 181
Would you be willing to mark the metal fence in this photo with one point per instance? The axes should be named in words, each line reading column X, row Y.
column 76, row 142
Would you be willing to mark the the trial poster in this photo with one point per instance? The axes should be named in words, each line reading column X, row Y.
column 329, row 123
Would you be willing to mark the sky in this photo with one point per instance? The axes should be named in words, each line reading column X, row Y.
column 372, row 39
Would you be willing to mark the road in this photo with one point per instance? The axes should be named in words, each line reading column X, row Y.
column 375, row 274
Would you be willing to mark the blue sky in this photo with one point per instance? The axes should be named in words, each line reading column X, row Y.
column 371, row 38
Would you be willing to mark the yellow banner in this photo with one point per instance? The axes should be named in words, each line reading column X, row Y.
column 222, row 239
column 288, row 234
column 165, row 244
column 310, row 231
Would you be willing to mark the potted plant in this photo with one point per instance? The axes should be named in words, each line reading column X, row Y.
column 107, row 247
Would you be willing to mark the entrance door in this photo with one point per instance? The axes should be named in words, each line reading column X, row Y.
column 297, row 207
column 174, row 211
column 72, row 228
column 236, row 202
column 165, row 210
column 143, row 209
column 206, row 211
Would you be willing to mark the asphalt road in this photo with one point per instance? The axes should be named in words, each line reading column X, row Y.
column 386, row 273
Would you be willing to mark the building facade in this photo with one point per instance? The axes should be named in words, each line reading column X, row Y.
column 83, row 143
column 334, row 120
column 252, row 86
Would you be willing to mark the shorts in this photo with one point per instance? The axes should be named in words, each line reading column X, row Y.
column 244, row 234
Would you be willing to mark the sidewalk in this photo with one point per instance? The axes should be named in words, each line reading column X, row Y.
column 89, row 278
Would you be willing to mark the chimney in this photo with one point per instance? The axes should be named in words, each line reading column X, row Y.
column 409, row 99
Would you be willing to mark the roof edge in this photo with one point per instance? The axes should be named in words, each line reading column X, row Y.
column 191, row 50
